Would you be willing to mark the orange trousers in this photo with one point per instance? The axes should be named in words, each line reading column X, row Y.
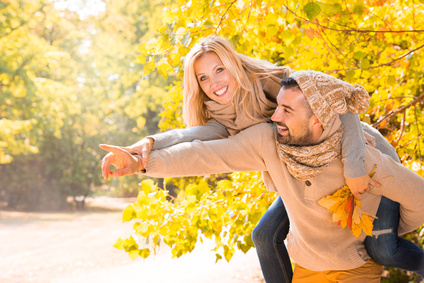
column 368, row 273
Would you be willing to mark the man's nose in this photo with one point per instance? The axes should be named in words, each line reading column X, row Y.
column 277, row 116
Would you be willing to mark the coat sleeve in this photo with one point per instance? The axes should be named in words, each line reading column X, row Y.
column 402, row 185
column 239, row 153
column 212, row 130
column 353, row 146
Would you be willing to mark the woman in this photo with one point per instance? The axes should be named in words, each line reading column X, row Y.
column 226, row 92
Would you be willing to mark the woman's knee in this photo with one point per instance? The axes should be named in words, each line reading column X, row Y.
column 382, row 248
column 260, row 235
column 266, row 232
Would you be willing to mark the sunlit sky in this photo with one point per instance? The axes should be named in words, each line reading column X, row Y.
column 84, row 8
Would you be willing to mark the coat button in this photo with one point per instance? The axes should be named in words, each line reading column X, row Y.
column 308, row 183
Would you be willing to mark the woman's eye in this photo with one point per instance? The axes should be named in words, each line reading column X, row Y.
column 203, row 78
column 219, row 70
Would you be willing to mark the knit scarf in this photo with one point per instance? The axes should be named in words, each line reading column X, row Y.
column 305, row 162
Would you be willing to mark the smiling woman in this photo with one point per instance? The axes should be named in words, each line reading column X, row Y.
column 215, row 80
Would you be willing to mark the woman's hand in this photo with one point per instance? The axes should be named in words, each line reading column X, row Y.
column 125, row 162
column 360, row 185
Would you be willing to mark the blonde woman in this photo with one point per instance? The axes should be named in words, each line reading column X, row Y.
column 224, row 93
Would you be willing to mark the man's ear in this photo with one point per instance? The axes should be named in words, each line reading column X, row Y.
column 315, row 123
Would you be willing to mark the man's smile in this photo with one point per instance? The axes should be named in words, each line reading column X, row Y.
column 282, row 129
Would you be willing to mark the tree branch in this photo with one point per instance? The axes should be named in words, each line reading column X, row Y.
column 399, row 110
column 378, row 66
column 352, row 29
column 223, row 16
column 247, row 20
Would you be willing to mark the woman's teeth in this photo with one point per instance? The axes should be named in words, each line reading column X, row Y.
column 221, row 91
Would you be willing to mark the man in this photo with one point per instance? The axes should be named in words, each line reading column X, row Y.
column 302, row 155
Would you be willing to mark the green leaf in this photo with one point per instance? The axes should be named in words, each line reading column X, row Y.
column 350, row 74
column 312, row 10
column 208, row 24
column 359, row 55
column 337, row 8
column 218, row 257
column 365, row 64
column 244, row 248
column 271, row 30
column 287, row 37
column 391, row 80
column 358, row 9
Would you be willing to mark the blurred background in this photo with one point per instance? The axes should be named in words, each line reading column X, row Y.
column 68, row 82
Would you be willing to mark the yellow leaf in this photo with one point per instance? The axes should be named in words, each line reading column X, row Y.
column 149, row 67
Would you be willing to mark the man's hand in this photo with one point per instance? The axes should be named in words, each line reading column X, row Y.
column 125, row 162
column 360, row 185
column 143, row 148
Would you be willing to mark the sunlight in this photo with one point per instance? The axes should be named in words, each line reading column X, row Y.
column 84, row 8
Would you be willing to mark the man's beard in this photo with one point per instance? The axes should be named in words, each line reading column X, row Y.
column 303, row 139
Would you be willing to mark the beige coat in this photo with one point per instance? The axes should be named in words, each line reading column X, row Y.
column 314, row 241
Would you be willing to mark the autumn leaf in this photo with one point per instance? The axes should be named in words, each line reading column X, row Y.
column 347, row 210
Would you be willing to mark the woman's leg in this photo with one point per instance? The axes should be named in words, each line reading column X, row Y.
column 268, row 237
column 386, row 247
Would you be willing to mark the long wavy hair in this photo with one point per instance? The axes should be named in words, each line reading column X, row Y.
column 247, row 72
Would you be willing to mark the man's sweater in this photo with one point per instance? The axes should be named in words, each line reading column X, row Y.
column 314, row 241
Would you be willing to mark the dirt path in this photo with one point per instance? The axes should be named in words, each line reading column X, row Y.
column 77, row 247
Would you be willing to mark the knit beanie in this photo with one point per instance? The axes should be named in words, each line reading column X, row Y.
column 329, row 96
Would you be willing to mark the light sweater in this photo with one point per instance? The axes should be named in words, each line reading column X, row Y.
column 314, row 241
column 225, row 122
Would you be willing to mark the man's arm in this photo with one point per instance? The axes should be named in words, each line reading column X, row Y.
column 242, row 152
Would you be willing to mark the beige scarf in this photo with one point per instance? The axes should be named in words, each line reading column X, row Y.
column 305, row 162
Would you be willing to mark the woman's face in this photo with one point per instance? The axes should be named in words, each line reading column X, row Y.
column 214, row 79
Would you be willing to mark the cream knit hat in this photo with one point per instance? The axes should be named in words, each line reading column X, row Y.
column 329, row 96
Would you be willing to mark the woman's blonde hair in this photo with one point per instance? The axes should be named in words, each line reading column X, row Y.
column 246, row 71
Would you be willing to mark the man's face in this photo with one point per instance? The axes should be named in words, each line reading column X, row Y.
column 293, row 118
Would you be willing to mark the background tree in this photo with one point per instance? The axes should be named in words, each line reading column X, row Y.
column 68, row 82
column 377, row 44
